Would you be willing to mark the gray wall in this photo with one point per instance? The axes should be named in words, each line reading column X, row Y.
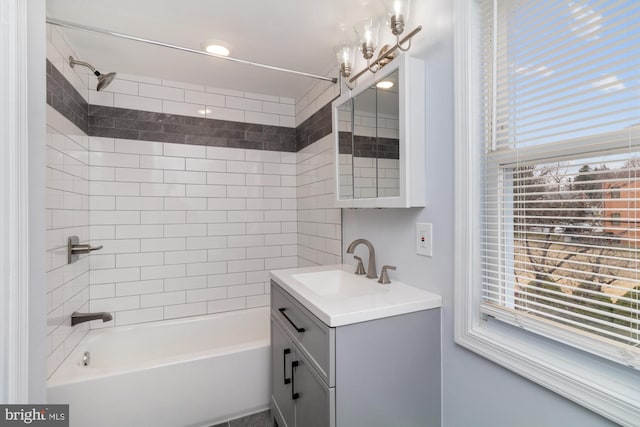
column 476, row 392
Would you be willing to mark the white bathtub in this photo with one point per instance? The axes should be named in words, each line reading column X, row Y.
column 194, row 372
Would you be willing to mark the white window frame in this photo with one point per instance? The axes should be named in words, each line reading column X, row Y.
column 22, row 203
column 605, row 387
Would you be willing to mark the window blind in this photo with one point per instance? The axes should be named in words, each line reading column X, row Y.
column 561, row 171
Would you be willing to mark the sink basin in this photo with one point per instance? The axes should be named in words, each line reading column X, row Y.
column 337, row 296
column 338, row 283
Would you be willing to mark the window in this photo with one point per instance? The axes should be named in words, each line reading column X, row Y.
column 614, row 194
column 548, row 128
column 563, row 86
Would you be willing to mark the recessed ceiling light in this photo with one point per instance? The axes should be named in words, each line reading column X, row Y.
column 216, row 47
column 385, row 84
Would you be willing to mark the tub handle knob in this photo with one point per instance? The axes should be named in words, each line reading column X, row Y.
column 84, row 249
column 74, row 249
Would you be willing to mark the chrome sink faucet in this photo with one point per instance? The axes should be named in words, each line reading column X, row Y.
column 371, row 270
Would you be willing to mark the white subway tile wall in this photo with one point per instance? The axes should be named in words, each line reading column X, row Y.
column 67, row 213
column 319, row 223
column 345, row 169
column 320, row 95
column 319, row 236
column 371, row 177
column 388, row 177
column 188, row 230
column 58, row 52
column 163, row 96
column 367, row 124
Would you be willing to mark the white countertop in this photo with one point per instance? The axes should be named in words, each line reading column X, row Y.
column 365, row 299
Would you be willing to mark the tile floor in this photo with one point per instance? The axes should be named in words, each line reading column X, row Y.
column 261, row 419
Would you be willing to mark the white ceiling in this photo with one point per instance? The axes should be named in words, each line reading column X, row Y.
column 296, row 34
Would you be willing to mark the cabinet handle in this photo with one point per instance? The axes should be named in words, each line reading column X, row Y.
column 294, row 395
column 284, row 366
column 282, row 310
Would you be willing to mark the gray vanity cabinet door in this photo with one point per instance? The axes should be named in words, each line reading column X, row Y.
column 282, row 354
column 314, row 404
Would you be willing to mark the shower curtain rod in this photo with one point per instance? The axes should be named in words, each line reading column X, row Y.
column 74, row 26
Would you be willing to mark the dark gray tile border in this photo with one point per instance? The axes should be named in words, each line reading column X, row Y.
column 315, row 127
column 388, row 148
column 364, row 146
column 111, row 122
column 143, row 125
column 65, row 99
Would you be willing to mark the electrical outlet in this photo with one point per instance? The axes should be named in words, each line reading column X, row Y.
column 424, row 241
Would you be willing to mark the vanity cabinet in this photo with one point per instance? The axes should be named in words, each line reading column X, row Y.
column 380, row 372
column 304, row 399
column 379, row 131
column 281, row 358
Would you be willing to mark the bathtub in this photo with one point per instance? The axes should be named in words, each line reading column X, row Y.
column 190, row 372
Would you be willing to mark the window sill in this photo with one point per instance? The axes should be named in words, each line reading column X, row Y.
column 604, row 387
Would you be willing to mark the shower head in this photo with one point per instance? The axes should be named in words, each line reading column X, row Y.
column 103, row 79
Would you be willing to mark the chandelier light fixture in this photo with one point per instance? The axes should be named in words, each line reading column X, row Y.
column 367, row 32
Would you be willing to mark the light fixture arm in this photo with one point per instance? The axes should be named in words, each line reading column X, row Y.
column 388, row 53
column 345, row 80
column 373, row 67
column 399, row 44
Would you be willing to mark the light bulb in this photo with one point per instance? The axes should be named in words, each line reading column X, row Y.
column 346, row 57
column 345, row 54
column 367, row 35
column 397, row 7
column 398, row 11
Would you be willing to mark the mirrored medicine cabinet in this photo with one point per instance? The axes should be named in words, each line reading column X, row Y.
column 380, row 138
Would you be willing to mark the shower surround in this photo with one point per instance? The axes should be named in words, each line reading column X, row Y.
column 194, row 192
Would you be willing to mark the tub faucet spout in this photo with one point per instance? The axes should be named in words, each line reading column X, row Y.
column 87, row 317
column 371, row 270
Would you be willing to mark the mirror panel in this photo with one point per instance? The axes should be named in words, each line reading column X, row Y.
column 388, row 138
column 364, row 144
column 345, row 150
